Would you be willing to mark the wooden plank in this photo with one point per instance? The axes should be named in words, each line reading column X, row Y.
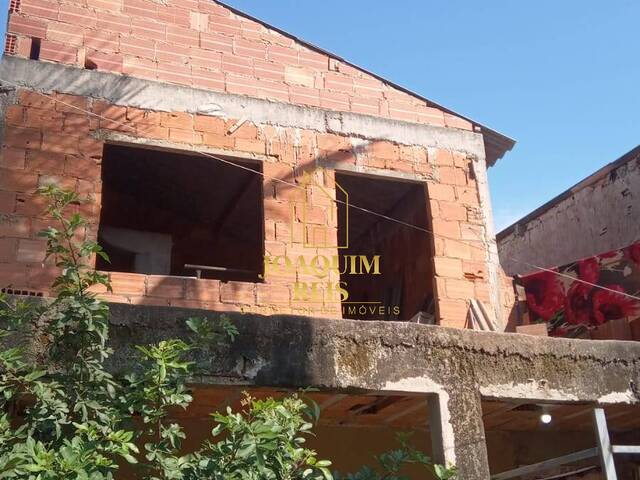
column 604, row 444
column 626, row 449
column 547, row 464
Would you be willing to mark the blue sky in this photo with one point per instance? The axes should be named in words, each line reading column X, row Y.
column 560, row 77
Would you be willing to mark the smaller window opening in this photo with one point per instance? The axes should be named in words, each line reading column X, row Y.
column 34, row 53
column 403, row 289
column 171, row 213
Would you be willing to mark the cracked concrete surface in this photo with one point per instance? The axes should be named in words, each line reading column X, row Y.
column 460, row 366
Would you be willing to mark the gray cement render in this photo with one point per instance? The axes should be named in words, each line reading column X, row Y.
column 459, row 366
column 147, row 94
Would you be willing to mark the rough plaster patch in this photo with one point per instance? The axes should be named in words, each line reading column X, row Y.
column 533, row 390
column 427, row 385
column 619, row 397
column 153, row 95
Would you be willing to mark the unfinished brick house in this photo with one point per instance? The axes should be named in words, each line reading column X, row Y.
column 235, row 168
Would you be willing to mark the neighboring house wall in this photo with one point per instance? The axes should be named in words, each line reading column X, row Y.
column 600, row 214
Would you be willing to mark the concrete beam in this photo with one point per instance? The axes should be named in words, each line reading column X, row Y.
column 459, row 366
column 152, row 95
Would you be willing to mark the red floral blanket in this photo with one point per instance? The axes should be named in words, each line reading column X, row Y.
column 570, row 307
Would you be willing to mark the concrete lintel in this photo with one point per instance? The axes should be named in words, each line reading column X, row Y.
column 118, row 138
column 152, row 95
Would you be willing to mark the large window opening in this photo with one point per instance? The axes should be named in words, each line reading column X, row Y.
column 404, row 288
column 169, row 213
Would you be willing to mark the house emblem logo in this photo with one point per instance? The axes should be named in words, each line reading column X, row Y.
column 322, row 236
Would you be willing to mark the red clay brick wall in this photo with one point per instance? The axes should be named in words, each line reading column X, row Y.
column 46, row 141
column 202, row 44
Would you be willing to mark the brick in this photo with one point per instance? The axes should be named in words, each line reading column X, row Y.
column 181, row 120
column 114, row 22
column 443, row 157
column 76, row 15
column 216, row 42
column 382, row 149
column 430, row 116
column 233, row 64
column 70, row 103
column 273, row 295
column 17, row 181
column 13, row 158
column 76, row 124
column 217, row 140
column 40, row 8
column 457, row 249
column 304, row 95
column 241, row 85
column 446, row 228
column 60, row 143
column 203, row 123
column 140, row 67
column 198, row 21
column 28, row 98
column 148, row 29
column 268, row 70
column 164, row 286
column 7, row 202
column 22, row 137
column 140, row 8
column 14, row 226
column 237, row 292
column 461, row 289
column 452, row 211
column 273, row 90
column 474, row 269
column 26, row 26
column 205, row 58
column 8, row 248
column 182, row 36
column 140, row 47
column 58, row 52
column 45, row 162
column 208, row 79
column 13, row 275
column 457, row 122
column 174, row 73
column 452, row 313
column 448, row 267
column 282, row 55
column 82, row 167
column 249, row 145
column 247, row 130
column 249, row 48
column 294, row 75
column 203, row 290
column 403, row 111
column 31, row 251
column 184, row 136
column 367, row 106
column 127, row 283
column 64, row 33
column 338, row 82
column 15, row 115
column 315, row 60
column 225, row 25
column 334, row 100
column 441, row 192
column 102, row 41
